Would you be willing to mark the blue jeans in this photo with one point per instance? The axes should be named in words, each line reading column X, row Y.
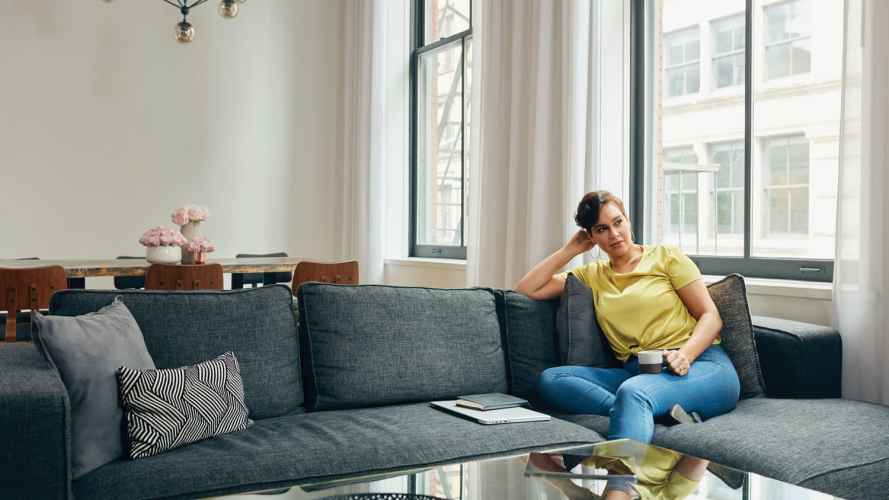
column 633, row 400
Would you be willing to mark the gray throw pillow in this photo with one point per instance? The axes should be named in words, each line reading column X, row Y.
column 730, row 296
column 169, row 408
column 581, row 342
column 87, row 351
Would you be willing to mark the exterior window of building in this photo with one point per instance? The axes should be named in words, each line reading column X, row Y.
column 729, row 157
column 786, row 185
column 728, row 51
column 681, row 196
column 788, row 39
column 440, row 67
column 683, row 62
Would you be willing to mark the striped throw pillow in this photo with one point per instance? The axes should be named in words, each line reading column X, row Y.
column 168, row 408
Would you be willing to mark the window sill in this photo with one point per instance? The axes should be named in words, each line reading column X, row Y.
column 428, row 263
column 784, row 288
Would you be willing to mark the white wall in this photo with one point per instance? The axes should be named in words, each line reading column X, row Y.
column 107, row 124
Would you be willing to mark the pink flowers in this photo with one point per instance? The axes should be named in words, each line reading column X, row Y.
column 189, row 213
column 162, row 237
column 199, row 245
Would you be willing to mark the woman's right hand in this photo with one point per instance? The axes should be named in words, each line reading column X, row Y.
column 580, row 242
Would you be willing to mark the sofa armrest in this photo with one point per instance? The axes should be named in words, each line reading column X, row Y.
column 34, row 426
column 799, row 360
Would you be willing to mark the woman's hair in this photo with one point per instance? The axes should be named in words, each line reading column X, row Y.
column 589, row 206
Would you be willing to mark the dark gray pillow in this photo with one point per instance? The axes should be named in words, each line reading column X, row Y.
column 169, row 408
column 87, row 351
column 730, row 296
column 581, row 342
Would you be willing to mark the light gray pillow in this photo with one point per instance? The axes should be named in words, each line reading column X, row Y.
column 581, row 342
column 87, row 351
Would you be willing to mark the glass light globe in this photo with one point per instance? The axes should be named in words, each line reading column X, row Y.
column 184, row 32
column 228, row 8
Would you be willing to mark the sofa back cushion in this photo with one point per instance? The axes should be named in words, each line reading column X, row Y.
column 531, row 340
column 375, row 345
column 184, row 328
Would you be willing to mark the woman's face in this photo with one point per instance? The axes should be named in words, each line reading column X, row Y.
column 612, row 231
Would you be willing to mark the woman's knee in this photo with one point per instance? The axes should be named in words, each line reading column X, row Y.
column 636, row 390
column 549, row 379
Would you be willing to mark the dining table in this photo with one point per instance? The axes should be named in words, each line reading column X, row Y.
column 88, row 268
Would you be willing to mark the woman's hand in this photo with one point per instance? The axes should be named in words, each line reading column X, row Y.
column 678, row 362
column 580, row 242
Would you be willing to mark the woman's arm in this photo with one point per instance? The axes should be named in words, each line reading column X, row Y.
column 697, row 300
column 542, row 282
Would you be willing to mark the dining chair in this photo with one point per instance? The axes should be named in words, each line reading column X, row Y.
column 73, row 283
column 255, row 279
column 28, row 288
column 129, row 282
column 343, row 273
column 184, row 277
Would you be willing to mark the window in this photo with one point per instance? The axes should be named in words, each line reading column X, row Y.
column 743, row 181
column 787, row 39
column 787, row 186
column 681, row 195
column 440, row 90
column 729, row 157
column 728, row 51
column 683, row 54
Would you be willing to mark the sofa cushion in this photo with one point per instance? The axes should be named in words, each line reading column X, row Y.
column 581, row 342
column 531, row 342
column 173, row 407
column 815, row 443
column 375, row 345
column 730, row 296
column 87, row 350
column 319, row 446
column 184, row 328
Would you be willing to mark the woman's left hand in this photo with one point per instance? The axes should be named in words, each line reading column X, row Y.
column 678, row 362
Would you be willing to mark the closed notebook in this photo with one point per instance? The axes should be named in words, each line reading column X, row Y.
column 490, row 401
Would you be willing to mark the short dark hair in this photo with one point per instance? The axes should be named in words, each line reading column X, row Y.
column 588, row 209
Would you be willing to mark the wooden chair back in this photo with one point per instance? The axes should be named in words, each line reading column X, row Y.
column 28, row 288
column 184, row 277
column 344, row 273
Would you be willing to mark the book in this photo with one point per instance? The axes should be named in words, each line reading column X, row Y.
column 490, row 401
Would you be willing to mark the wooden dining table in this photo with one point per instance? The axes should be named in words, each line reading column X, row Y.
column 86, row 268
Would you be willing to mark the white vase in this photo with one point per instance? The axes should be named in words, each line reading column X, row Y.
column 163, row 254
column 190, row 230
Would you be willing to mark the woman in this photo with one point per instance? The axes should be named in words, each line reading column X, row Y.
column 646, row 298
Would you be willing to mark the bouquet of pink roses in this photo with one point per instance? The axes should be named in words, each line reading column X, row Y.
column 199, row 245
column 189, row 213
column 162, row 237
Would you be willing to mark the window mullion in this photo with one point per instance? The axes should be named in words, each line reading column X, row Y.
column 748, row 129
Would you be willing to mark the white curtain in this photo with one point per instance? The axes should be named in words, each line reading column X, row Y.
column 861, row 280
column 371, row 173
column 549, row 73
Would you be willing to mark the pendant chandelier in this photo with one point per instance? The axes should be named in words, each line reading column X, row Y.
column 184, row 29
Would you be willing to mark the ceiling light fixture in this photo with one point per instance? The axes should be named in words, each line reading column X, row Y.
column 184, row 29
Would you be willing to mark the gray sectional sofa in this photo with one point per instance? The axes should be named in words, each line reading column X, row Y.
column 345, row 390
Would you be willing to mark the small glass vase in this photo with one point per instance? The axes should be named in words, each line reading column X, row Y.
column 190, row 230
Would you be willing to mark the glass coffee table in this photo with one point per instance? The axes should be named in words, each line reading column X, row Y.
column 609, row 470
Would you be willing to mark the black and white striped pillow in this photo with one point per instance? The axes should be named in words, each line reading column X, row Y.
column 165, row 409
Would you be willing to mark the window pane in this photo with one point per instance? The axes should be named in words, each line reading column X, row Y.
column 729, row 158
column 707, row 212
column 440, row 147
column 777, row 61
column 445, row 18
column 800, row 57
column 777, row 215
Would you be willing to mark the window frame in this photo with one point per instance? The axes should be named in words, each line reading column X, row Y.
column 641, row 66
column 731, row 54
column 785, row 42
column 685, row 65
column 418, row 48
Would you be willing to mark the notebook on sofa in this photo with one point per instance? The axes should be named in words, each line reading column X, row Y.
column 490, row 401
column 503, row 416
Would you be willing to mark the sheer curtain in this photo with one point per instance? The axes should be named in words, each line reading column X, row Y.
column 372, row 162
column 861, row 281
column 550, row 74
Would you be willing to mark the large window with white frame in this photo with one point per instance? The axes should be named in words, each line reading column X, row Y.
column 767, row 151
column 441, row 59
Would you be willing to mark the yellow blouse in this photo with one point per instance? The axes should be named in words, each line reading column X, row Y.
column 640, row 309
